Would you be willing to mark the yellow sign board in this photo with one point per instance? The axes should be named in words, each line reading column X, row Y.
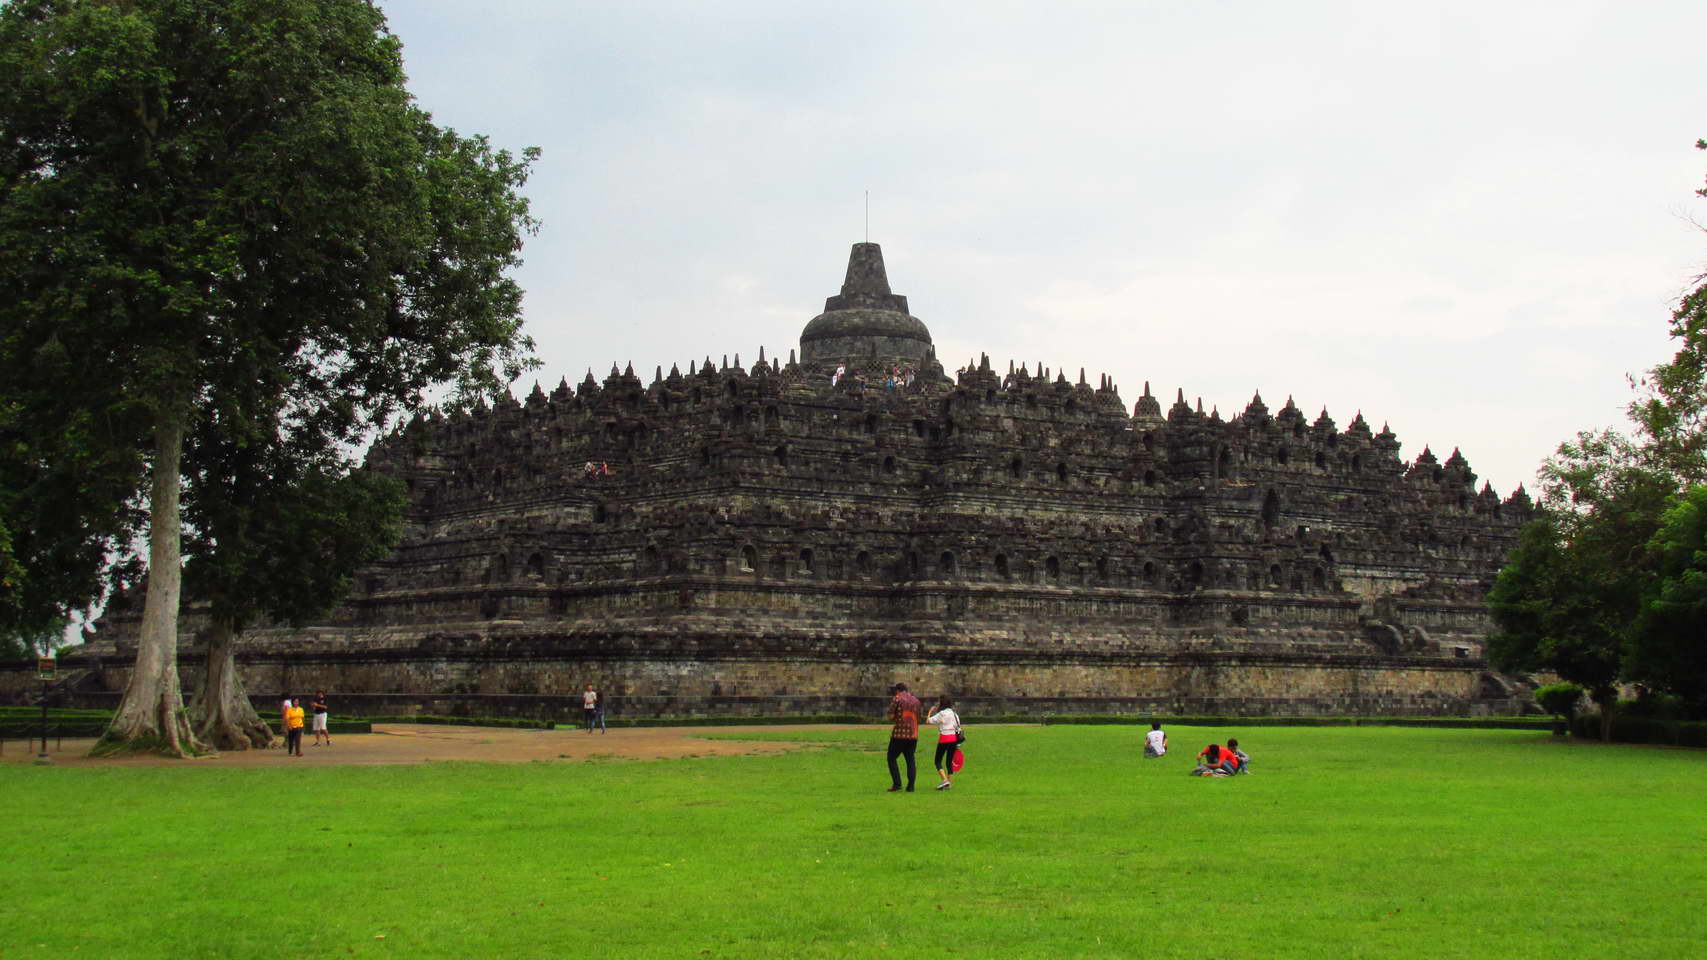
column 45, row 667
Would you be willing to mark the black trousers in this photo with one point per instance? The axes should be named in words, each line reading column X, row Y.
column 903, row 748
column 945, row 755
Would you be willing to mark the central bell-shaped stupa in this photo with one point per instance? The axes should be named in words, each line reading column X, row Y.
column 865, row 325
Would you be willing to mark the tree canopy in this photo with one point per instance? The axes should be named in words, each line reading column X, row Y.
column 229, row 232
column 1669, row 652
column 1609, row 583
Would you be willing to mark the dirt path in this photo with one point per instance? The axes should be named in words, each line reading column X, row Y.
column 425, row 743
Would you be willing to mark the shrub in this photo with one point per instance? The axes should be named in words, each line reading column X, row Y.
column 1637, row 729
column 522, row 723
column 736, row 721
column 1477, row 723
column 1664, row 706
column 1560, row 699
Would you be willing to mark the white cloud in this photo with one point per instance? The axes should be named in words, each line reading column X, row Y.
column 1462, row 218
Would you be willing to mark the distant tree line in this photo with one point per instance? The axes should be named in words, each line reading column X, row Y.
column 1608, row 585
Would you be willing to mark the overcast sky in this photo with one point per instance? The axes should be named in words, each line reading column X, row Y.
column 1468, row 220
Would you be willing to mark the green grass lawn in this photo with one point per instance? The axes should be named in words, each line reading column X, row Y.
column 1056, row 842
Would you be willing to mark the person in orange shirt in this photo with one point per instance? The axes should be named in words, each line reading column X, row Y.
column 1213, row 761
column 293, row 728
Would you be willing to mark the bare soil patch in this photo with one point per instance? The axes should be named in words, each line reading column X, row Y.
column 426, row 743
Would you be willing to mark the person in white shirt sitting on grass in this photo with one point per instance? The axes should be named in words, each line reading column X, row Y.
column 1155, row 742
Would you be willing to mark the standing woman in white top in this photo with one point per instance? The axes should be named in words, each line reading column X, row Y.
column 948, row 739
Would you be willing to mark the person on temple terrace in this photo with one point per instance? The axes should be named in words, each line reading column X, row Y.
column 590, row 707
column 903, row 737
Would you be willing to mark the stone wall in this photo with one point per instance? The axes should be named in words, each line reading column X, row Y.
column 509, row 671
column 776, row 539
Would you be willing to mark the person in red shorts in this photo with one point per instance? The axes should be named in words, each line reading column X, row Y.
column 948, row 740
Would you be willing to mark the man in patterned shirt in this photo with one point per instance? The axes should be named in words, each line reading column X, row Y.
column 904, row 736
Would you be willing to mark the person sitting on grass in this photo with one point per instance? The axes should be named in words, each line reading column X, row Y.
column 1240, row 755
column 1156, row 741
column 1213, row 761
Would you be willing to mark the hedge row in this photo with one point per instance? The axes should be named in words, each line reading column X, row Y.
column 17, row 729
column 1473, row 723
column 10, row 713
column 1677, row 733
column 728, row 721
column 1482, row 723
column 521, row 723
column 13, row 728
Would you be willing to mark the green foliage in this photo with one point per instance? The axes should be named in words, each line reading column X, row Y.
column 520, row 723
column 1651, row 704
column 1644, row 729
column 64, row 713
column 284, row 541
column 19, row 643
column 1555, row 609
column 734, row 721
column 228, row 231
column 67, row 512
column 1672, row 414
column 1610, row 582
column 13, row 647
column 29, row 725
column 1478, row 723
column 1668, row 650
column 1560, row 699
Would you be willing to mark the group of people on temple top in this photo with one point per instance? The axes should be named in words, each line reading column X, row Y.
column 898, row 376
column 1212, row 761
column 292, row 715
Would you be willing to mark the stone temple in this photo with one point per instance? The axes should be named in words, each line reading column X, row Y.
column 784, row 539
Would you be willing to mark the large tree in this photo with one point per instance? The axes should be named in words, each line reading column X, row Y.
column 276, row 533
column 1668, row 648
column 1607, row 584
column 1671, row 415
column 68, row 491
column 233, row 212
column 1567, row 598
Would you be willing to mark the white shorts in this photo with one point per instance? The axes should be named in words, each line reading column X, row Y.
column 320, row 723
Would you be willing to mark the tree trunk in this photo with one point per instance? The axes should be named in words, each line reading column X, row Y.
column 150, row 715
column 221, row 711
column 1605, row 698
